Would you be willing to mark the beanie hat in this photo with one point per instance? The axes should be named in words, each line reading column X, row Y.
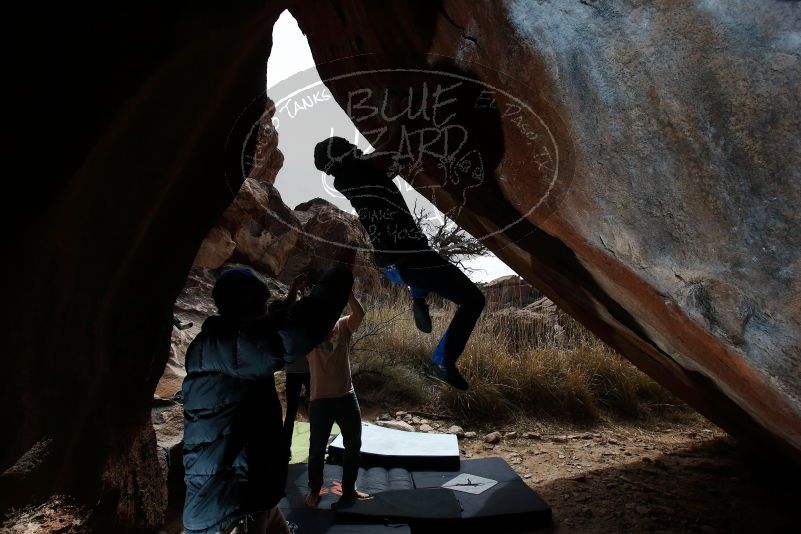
column 239, row 292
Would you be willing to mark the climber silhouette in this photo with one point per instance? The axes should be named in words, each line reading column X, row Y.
column 402, row 251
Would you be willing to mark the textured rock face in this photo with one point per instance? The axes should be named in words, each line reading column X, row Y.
column 280, row 242
column 261, row 238
column 259, row 230
column 215, row 249
column 328, row 234
column 672, row 131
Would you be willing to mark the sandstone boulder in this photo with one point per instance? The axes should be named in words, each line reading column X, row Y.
column 637, row 164
column 537, row 321
column 114, row 215
column 168, row 424
column 456, row 430
column 543, row 307
column 215, row 249
column 175, row 372
column 511, row 290
column 493, row 437
column 264, row 228
column 328, row 235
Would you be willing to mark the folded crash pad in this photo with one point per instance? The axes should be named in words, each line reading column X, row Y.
column 387, row 447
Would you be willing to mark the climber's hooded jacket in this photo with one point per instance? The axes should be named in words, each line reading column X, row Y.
column 235, row 461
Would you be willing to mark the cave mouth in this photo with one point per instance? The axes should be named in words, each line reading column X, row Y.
column 287, row 218
column 306, row 112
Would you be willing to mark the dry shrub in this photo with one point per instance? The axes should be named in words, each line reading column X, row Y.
column 517, row 363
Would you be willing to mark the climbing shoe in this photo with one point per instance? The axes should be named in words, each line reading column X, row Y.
column 422, row 319
column 450, row 375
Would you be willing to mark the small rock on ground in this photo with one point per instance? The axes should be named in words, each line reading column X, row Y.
column 492, row 437
column 456, row 429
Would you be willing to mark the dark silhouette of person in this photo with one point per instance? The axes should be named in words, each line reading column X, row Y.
column 402, row 250
column 297, row 373
column 235, row 455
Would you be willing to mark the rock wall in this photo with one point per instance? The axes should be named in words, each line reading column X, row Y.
column 508, row 291
column 259, row 230
column 126, row 133
column 651, row 192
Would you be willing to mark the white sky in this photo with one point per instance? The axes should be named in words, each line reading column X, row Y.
column 290, row 56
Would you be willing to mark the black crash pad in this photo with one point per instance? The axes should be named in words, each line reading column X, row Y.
column 316, row 521
column 510, row 502
column 417, row 498
column 370, row 480
column 412, row 505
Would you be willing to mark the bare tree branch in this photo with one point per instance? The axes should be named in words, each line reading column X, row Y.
column 451, row 242
column 377, row 328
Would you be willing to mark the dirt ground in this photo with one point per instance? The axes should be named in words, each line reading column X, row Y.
column 657, row 477
column 667, row 477
column 676, row 479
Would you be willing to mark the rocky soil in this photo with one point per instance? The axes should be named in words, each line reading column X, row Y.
column 622, row 477
column 629, row 479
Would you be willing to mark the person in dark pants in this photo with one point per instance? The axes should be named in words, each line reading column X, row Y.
column 428, row 271
column 402, row 250
column 298, row 376
column 333, row 400
column 235, row 460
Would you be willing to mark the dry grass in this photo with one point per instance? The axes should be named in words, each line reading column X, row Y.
column 517, row 365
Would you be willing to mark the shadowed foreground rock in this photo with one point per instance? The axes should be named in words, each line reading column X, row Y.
column 636, row 162
column 153, row 110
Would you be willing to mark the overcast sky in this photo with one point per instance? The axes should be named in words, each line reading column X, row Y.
column 302, row 122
